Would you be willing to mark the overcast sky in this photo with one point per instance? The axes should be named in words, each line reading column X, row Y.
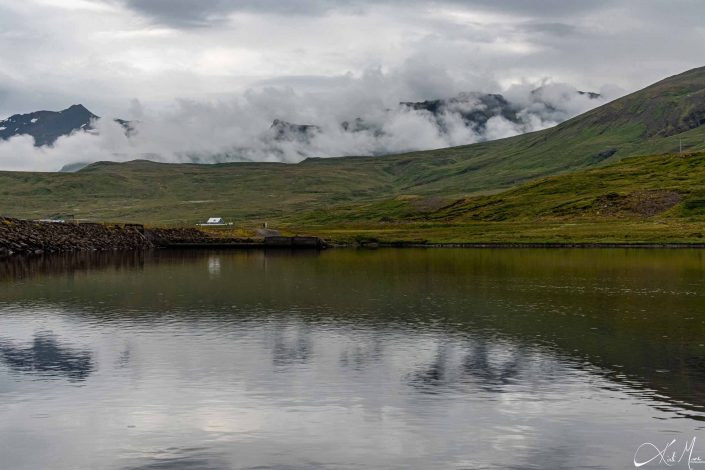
column 104, row 53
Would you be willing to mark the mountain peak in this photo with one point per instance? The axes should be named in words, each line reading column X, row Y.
column 47, row 126
column 79, row 109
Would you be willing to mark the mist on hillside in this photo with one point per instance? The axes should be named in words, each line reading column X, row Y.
column 363, row 118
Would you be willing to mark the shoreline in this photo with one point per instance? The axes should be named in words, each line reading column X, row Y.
column 24, row 237
column 556, row 245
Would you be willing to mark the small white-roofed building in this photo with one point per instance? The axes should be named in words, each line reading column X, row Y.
column 215, row 222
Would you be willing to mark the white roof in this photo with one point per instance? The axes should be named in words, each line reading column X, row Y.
column 215, row 220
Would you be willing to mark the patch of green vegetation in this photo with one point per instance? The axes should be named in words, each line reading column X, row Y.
column 637, row 187
column 622, row 232
column 640, row 199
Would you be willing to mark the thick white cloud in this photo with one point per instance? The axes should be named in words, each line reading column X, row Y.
column 238, row 129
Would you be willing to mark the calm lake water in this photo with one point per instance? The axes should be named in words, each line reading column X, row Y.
column 399, row 359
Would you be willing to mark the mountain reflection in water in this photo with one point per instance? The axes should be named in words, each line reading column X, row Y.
column 350, row 359
column 46, row 356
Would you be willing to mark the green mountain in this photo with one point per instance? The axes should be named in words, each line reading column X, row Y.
column 659, row 119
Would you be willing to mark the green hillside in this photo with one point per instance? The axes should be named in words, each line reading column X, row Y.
column 639, row 199
column 663, row 186
column 655, row 120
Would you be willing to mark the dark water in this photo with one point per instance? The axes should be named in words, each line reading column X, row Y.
column 458, row 359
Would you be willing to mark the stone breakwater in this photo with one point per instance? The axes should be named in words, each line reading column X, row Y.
column 29, row 237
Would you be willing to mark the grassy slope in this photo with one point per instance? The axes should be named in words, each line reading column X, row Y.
column 317, row 191
column 172, row 194
column 640, row 199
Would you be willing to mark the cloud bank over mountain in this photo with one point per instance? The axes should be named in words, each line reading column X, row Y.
column 282, row 125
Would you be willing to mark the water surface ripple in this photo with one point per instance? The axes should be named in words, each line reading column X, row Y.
column 387, row 359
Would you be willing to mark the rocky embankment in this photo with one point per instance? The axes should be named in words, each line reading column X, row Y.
column 32, row 237
column 29, row 237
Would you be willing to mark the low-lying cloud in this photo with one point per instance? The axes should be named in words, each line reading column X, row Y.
column 357, row 119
